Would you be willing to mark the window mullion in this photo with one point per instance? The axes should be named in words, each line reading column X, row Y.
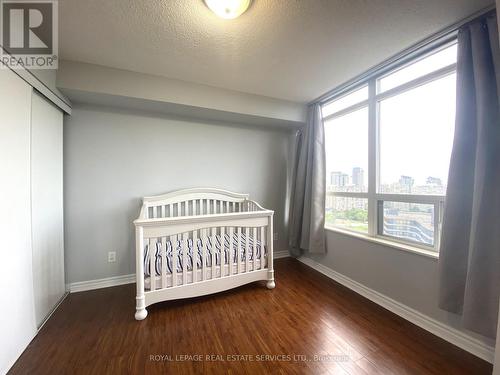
column 372, row 157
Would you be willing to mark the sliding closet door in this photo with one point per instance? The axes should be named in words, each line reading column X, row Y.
column 17, row 318
column 47, row 205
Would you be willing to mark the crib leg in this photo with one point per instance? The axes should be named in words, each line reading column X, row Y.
column 270, row 273
column 270, row 280
column 140, row 310
column 140, row 300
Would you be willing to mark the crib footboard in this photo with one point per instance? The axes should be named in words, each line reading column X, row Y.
column 198, row 255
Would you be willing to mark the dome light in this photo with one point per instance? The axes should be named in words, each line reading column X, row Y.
column 228, row 9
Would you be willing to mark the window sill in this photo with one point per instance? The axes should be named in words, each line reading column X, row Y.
column 388, row 243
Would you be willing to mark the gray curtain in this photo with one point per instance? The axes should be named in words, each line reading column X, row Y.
column 469, row 260
column 307, row 209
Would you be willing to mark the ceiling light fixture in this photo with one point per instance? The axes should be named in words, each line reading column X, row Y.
column 228, row 9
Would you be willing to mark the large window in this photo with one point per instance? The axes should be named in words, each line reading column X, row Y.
column 388, row 145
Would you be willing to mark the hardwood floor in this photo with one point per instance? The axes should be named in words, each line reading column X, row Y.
column 308, row 324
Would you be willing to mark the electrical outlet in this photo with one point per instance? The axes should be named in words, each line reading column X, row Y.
column 275, row 237
column 112, row 256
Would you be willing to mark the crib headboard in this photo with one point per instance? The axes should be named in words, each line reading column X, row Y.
column 196, row 201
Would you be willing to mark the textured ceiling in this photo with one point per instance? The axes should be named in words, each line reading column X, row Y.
column 287, row 49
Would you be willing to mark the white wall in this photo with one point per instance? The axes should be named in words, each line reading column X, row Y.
column 408, row 278
column 114, row 157
column 17, row 315
column 47, row 205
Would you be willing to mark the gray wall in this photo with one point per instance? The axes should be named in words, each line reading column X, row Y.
column 112, row 158
column 409, row 278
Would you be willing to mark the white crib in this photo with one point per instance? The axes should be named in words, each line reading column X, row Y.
column 180, row 234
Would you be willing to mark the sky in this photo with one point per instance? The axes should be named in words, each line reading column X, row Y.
column 416, row 127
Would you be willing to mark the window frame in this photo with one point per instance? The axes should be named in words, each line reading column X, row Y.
column 373, row 195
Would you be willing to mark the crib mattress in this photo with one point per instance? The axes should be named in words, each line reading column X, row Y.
column 210, row 251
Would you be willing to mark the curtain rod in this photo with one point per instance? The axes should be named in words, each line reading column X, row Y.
column 434, row 38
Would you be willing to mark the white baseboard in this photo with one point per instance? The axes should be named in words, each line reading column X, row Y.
column 82, row 286
column 435, row 327
column 281, row 254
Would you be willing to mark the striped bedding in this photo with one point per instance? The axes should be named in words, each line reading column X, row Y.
column 208, row 253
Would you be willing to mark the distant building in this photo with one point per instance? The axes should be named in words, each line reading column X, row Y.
column 434, row 181
column 358, row 177
column 339, row 179
column 406, row 184
column 406, row 181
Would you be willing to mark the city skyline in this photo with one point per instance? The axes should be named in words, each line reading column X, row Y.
column 404, row 184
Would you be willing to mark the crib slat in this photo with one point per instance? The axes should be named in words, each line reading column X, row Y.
column 184, row 248
column 262, row 243
column 254, row 250
column 173, row 241
column 203, row 253
column 222, row 251
column 213, row 237
column 238, row 252
column 247, row 243
column 194, row 254
column 152, row 268
column 163, row 262
column 231, row 233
